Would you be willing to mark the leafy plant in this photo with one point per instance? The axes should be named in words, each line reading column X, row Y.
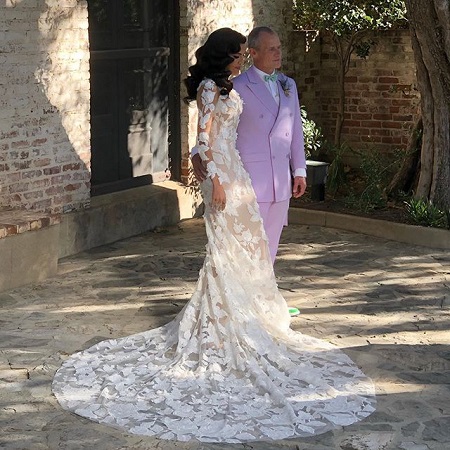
column 336, row 171
column 312, row 134
column 424, row 213
column 375, row 175
column 348, row 23
column 376, row 171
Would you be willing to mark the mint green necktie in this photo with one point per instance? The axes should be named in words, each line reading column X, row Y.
column 272, row 77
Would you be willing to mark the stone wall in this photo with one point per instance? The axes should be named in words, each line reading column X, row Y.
column 198, row 20
column 44, row 105
column 382, row 101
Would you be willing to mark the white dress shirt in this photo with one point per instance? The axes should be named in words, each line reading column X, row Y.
column 271, row 85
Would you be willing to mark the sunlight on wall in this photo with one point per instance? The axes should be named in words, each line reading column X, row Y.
column 64, row 75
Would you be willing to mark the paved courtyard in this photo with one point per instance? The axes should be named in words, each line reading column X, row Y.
column 387, row 305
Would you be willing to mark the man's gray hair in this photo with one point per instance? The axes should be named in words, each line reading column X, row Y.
column 253, row 37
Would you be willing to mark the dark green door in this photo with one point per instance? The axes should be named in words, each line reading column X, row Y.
column 134, row 67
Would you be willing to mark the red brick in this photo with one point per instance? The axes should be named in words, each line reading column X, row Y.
column 13, row 177
column 33, row 195
column 9, row 135
column 391, row 140
column 358, row 131
column 59, row 179
column 32, row 174
column 370, row 94
column 9, row 229
column 41, row 162
column 40, row 141
column 39, row 184
column 73, row 166
column 398, row 102
column 371, row 138
column 380, row 132
column 391, row 80
column 18, row 187
column 20, row 144
column 403, row 117
column 352, row 123
column 382, row 116
column 391, row 124
column 371, row 123
column 54, row 190
column 52, row 170
column 72, row 187
column 42, row 205
column 22, row 165
column 361, row 116
column 383, row 87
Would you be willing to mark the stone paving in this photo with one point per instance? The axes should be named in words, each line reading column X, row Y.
column 387, row 305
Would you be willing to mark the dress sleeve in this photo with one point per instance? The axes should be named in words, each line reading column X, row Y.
column 207, row 98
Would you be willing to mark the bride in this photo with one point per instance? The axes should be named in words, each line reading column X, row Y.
column 228, row 368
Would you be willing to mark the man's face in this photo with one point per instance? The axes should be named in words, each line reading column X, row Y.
column 267, row 57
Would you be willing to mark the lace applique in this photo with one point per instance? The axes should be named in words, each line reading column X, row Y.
column 228, row 368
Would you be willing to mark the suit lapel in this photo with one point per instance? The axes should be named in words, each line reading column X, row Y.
column 283, row 99
column 259, row 89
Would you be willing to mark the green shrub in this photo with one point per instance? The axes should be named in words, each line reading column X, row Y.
column 424, row 213
column 312, row 134
column 337, row 176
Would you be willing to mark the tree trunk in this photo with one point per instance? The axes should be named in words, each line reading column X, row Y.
column 344, row 46
column 407, row 177
column 341, row 70
column 430, row 34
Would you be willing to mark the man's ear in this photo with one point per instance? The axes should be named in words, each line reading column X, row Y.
column 252, row 52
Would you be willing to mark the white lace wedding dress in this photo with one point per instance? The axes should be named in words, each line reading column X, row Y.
column 228, row 368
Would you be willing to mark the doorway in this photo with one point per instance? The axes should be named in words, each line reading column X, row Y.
column 134, row 69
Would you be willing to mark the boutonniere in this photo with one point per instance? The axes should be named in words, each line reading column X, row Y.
column 285, row 85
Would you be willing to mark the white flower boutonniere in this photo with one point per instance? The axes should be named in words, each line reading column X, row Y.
column 285, row 85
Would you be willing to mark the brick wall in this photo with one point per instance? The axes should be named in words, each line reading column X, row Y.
column 382, row 100
column 198, row 19
column 44, row 105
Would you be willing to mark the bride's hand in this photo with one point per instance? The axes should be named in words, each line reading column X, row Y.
column 219, row 197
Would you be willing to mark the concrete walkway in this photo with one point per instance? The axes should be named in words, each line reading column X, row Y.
column 387, row 305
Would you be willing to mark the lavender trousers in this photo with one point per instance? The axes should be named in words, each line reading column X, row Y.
column 274, row 216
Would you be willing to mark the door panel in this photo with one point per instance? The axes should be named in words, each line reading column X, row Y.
column 130, row 90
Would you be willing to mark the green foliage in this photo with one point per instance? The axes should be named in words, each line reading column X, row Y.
column 336, row 176
column 344, row 17
column 424, row 213
column 362, row 48
column 312, row 134
column 376, row 172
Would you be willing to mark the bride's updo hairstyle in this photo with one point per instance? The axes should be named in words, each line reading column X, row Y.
column 212, row 60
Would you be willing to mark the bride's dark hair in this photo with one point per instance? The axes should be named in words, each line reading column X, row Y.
column 212, row 60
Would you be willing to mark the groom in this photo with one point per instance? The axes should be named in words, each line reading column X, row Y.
column 270, row 134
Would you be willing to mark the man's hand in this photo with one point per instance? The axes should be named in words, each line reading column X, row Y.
column 199, row 168
column 299, row 187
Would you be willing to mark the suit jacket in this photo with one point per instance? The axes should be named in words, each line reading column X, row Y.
column 270, row 137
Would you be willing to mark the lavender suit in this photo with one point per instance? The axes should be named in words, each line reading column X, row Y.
column 270, row 142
